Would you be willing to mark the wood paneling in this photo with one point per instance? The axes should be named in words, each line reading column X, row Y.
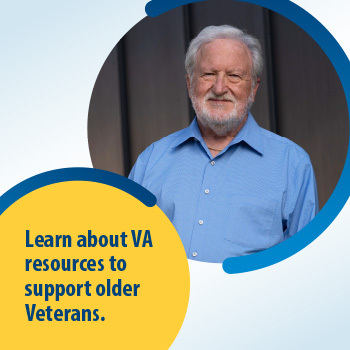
column 157, row 95
column 104, row 124
column 299, row 84
column 311, row 105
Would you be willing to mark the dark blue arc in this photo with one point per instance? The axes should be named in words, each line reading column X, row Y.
column 155, row 8
column 341, row 193
column 76, row 174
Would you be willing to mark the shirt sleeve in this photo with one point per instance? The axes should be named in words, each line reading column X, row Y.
column 302, row 200
column 138, row 171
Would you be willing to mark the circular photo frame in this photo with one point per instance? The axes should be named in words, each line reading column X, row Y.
column 339, row 196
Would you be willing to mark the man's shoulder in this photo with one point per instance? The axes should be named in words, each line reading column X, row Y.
column 276, row 142
column 170, row 140
column 159, row 147
column 153, row 153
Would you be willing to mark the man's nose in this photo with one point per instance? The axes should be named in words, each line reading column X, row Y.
column 220, row 86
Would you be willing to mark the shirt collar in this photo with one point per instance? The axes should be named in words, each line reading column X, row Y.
column 250, row 134
column 190, row 132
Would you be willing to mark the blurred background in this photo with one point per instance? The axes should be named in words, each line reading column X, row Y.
column 140, row 93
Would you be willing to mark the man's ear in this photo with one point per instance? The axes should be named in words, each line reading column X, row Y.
column 188, row 82
column 256, row 88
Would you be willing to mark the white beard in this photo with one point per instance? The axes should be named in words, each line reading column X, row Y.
column 221, row 124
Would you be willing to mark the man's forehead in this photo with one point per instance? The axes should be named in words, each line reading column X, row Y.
column 224, row 51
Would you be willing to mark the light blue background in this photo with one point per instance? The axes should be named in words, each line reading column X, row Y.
column 51, row 53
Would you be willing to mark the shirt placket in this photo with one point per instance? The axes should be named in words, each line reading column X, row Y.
column 200, row 228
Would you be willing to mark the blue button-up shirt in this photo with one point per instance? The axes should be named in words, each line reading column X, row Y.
column 258, row 191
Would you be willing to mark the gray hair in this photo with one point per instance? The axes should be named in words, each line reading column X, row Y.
column 212, row 33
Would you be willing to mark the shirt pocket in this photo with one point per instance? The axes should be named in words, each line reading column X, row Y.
column 250, row 221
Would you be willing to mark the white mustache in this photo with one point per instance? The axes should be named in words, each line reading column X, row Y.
column 225, row 97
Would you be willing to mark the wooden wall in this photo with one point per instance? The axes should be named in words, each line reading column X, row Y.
column 140, row 94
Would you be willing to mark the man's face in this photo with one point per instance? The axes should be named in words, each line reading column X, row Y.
column 221, row 88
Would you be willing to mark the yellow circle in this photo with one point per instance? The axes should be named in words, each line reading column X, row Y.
column 141, row 299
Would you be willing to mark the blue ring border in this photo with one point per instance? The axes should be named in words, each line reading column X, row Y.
column 245, row 263
column 341, row 193
column 76, row 174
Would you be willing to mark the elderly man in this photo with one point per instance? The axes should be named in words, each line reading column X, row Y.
column 229, row 187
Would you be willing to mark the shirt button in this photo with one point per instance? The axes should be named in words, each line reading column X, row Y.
column 200, row 222
column 206, row 191
column 212, row 162
column 194, row 254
